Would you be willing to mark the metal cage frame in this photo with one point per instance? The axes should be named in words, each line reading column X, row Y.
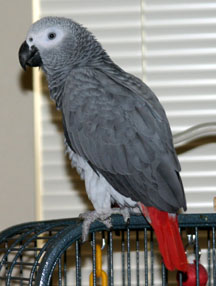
column 48, row 241
column 64, row 233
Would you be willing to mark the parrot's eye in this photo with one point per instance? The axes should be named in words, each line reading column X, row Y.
column 30, row 39
column 51, row 36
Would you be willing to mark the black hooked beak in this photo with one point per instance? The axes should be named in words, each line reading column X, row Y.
column 29, row 57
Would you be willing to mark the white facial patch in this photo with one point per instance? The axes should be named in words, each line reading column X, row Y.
column 47, row 38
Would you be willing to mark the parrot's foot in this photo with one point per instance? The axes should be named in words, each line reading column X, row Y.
column 91, row 216
column 135, row 211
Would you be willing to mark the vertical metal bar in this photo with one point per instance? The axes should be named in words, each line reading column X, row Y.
column 51, row 280
column 94, row 258
column 65, row 268
column 123, row 258
column 110, row 260
column 180, row 278
column 78, row 263
column 128, row 258
column 213, row 256
column 6, row 259
column 137, row 258
column 21, row 266
column 146, row 256
column 152, row 257
column 164, row 275
column 180, row 273
column 197, row 255
column 209, row 258
column 59, row 272
column 35, row 257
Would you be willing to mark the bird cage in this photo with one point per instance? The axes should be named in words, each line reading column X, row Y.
column 51, row 252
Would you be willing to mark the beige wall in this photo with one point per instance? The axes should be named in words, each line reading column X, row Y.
column 17, row 202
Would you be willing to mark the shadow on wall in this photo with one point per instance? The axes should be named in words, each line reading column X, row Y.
column 26, row 80
column 196, row 143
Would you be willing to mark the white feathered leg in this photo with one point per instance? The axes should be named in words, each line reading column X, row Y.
column 101, row 194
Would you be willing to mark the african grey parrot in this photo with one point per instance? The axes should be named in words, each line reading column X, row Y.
column 116, row 131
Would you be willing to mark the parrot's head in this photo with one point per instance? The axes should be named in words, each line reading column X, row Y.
column 55, row 42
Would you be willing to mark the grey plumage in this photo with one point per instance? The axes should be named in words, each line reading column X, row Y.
column 123, row 135
column 111, row 119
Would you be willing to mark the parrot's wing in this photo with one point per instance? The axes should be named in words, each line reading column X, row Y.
column 123, row 136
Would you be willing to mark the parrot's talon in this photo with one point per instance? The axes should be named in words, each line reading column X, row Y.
column 83, row 216
column 125, row 212
column 90, row 216
column 136, row 211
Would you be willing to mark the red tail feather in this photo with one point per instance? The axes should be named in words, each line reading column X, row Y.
column 168, row 237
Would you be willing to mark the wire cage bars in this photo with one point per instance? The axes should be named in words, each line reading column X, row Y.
column 51, row 252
